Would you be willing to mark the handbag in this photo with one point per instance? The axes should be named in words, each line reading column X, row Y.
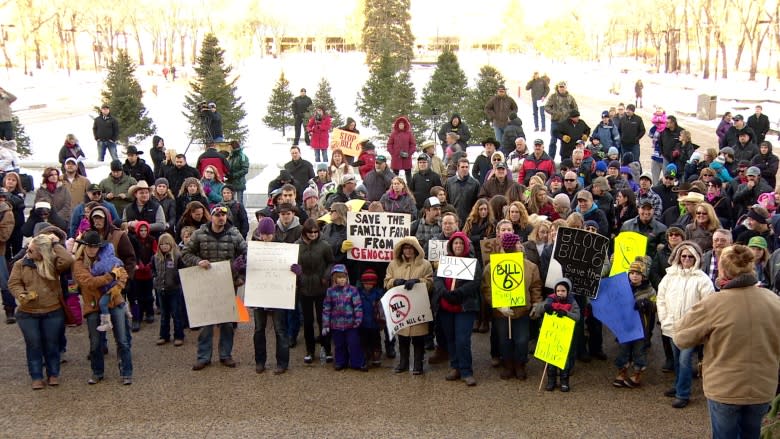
column 403, row 154
column 70, row 319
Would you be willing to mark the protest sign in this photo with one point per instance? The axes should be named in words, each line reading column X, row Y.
column 269, row 281
column 615, row 308
column 374, row 234
column 488, row 246
column 555, row 340
column 436, row 248
column 404, row 308
column 579, row 256
column 209, row 294
column 628, row 245
column 355, row 205
column 457, row 268
column 346, row 141
column 507, row 280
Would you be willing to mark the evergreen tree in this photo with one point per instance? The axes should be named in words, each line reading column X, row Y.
column 387, row 30
column 279, row 114
column 211, row 85
column 446, row 91
column 124, row 95
column 474, row 107
column 324, row 99
column 23, row 147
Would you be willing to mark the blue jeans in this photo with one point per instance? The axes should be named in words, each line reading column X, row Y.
column 683, row 373
column 170, row 308
column 103, row 302
column 42, row 334
column 457, row 329
column 206, row 342
column 104, row 145
column 553, row 147
column 280, row 329
column 736, row 421
column 538, row 111
column 121, row 337
column 516, row 348
column 636, row 351
column 294, row 320
column 499, row 132
column 321, row 153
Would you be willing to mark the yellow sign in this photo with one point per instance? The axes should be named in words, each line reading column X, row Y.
column 555, row 340
column 355, row 205
column 346, row 141
column 507, row 279
column 628, row 245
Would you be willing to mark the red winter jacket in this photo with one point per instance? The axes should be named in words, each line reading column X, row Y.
column 319, row 131
column 401, row 141
column 532, row 165
column 369, row 161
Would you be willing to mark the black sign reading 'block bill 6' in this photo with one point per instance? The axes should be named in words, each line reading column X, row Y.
column 581, row 256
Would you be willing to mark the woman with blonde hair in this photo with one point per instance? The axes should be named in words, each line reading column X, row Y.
column 705, row 223
column 575, row 220
column 518, row 215
column 540, row 203
column 537, row 241
column 398, row 199
column 338, row 166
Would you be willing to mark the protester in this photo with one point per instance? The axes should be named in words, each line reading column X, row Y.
column 167, row 286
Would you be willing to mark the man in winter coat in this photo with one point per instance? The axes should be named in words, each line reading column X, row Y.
column 747, row 193
column 498, row 183
column 116, row 187
column 300, row 108
column 670, row 137
column 498, row 108
column 732, row 135
column 483, row 163
column 94, row 193
column 512, row 131
column 105, row 129
column 212, row 157
column 179, row 172
column 377, row 182
column 767, row 162
column 239, row 168
column 300, row 170
column 214, row 242
column 647, row 225
column 401, row 145
column 570, row 131
column 607, row 132
column 457, row 126
column 744, row 149
column 462, row 190
column 759, row 123
column 75, row 183
column 632, row 129
column 591, row 212
column 540, row 88
column 144, row 208
column 538, row 161
column 6, row 129
column 136, row 167
column 423, row 181
column 560, row 104
column 212, row 120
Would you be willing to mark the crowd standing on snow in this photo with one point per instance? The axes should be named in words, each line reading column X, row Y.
column 709, row 278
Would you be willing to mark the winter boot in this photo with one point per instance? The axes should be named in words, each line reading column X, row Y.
column 10, row 319
column 105, row 323
column 635, row 380
column 508, row 371
column 565, row 382
column 417, row 367
column 552, row 380
column 620, row 379
column 520, row 371
column 403, row 364
column 439, row 356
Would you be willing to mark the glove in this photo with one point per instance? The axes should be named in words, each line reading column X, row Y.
column 537, row 311
column 346, row 246
column 676, row 154
column 584, row 137
column 561, row 313
column 27, row 297
column 206, row 190
column 409, row 284
column 398, row 282
column 548, row 308
column 566, row 138
column 325, row 332
column 295, row 268
column 358, row 163
column 119, row 273
column 506, row 311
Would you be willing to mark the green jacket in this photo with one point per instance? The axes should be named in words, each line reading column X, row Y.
column 239, row 167
column 116, row 187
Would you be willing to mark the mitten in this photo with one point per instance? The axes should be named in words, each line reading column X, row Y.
column 506, row 311
column 584, row 137
column 537, row 310
column 566, row 138
column 409, row 284
column 676, row 154
column 548, row 308
column 325, row 332
column 206, row 190
column 561, row 313
column 398, row 282
column 346, row 246
column 295, row 268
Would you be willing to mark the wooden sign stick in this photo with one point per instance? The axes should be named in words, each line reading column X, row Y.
column 544, row 372
column 509, row 320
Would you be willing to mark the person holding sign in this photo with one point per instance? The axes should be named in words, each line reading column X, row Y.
column 562, row 304
column 511, row 324
column 407, row 268
column 457, row 302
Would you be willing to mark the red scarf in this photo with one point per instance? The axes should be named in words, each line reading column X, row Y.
column 51, row 187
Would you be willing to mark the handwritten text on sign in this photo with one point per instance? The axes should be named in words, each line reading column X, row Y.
column 269, row 281
column 346, row 141
column 374, row 234
column 404, row 308
column 628, row 245
column 581, row 255
column 507, row 280
column 436, row 248
column 457, row 268
column 555, row 340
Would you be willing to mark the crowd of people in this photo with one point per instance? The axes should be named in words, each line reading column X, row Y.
column 709, row 276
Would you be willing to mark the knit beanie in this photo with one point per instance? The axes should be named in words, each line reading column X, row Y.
column 509, row 241
column 309, row 192
column 601, row 166
column 266, row 226
column 369, row 276
column 161, row 180
column 641, row 266
column 612, row 151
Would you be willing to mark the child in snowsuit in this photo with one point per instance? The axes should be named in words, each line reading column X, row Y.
column 561, row 303
column 107, row 262
column 370, row 338
column 167, row 284
column 342, row 314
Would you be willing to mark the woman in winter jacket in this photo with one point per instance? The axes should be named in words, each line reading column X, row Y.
column 212, row 185
column 191, row 190
column 164, row 197
column 455, row 125
column 723, row 128
column 55, row 193
column 315, row 258
column 12, row 183
column 398, row 199
column 407, row 268
column 684, row 285
column 195, row 215
column 319, row 130
column 457, row 304
column 338, row 166
column 71, row 149
column 401, row 145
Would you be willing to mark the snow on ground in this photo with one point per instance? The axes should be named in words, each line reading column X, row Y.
column 53, row 104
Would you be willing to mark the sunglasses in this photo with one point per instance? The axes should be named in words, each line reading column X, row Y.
column 701, row 213
column 219, row 210
column 570, row 179
column 686, row 257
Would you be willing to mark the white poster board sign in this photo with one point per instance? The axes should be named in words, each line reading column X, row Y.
column 404, row 308
column 209, row 294
column 269, row 281
column 457, row 268
column 436, row 248
column 374, row 234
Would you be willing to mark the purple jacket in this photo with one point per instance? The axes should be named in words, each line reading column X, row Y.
column 342, row 308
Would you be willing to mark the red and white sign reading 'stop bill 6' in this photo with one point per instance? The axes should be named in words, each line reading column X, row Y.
column 374, row 234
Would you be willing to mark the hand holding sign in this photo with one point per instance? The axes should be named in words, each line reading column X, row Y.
column 555, row 340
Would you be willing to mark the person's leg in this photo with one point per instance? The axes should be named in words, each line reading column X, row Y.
column 325, row 155
column 447, row 323
column 340, row 345
column 324, row 341
column 260, row 317
column 521, row 330
column 146, row 299
column 724, row 420
column 595, row 337
column 176, row 300
column 356, row 358
column 403, row 353
column 95, row 344
column 553, row 147
column 226, row 333
column 463, row 323
column 205, row 343
column 112, row 150
column 580, row 343
column 122, row 338
column 165, row 314
column 52, row 326
column 750, row 417
column 31, row 330
column 294, row 322
column 541, row 111
column 683, row 372
column 282, row 341
column 307, row 304
column 656, row 169
column 536, row 114
column 298, row 123
column 101, row 147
